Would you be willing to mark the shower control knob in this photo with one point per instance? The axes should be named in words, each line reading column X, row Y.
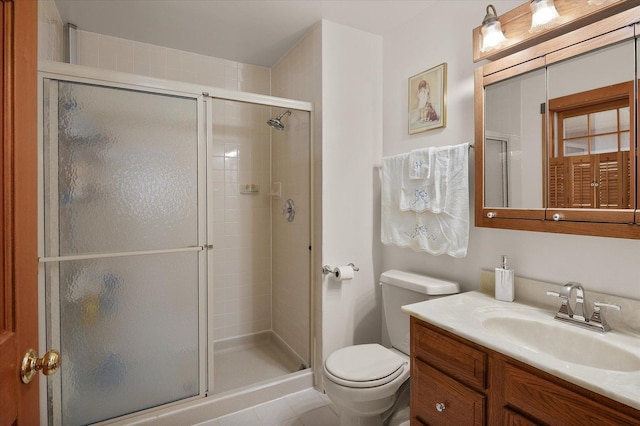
column 289, row 210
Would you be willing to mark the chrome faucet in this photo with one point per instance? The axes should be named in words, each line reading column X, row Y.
column 579, row 313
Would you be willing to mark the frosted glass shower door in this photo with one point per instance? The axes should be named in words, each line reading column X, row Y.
column 123, row 266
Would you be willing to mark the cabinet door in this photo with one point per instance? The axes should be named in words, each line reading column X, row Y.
column 552, row 404
column 439, row 399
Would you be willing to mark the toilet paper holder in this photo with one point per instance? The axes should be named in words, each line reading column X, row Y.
column 326, row 269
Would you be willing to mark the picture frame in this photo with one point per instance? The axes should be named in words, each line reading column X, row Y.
column 427, row 100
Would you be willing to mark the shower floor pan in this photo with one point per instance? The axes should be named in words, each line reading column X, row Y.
column 251, row 359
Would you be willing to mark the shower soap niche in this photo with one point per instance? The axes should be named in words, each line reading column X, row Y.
column 249, row 188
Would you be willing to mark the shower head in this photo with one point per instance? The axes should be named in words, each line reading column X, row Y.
column 276, row 123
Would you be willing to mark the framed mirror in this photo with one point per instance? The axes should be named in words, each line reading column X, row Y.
column 556, row 135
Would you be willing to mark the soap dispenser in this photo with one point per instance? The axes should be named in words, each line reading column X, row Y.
column 504, row 288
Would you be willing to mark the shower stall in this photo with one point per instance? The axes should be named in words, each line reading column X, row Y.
column 174, row 243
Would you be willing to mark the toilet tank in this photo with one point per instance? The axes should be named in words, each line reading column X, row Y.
column 401, row 288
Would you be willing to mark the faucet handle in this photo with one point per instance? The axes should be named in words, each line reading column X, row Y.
column 597, row 319
column 598, row 305
column 565, row 310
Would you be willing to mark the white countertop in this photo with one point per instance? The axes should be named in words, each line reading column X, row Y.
column 463, row 314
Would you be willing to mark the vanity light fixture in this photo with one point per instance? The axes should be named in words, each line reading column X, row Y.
column 543, row 15
column 492, row 35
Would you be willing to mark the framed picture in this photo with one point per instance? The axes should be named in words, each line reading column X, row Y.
column 428, row 99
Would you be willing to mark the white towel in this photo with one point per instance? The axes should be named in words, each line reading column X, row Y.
column 446, row 232
column 421, row 161
column 428, row 192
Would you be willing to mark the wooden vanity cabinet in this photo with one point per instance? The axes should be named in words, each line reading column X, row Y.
column 458, row 382
column 448, row 378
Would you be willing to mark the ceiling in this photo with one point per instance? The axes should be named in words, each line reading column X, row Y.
column 257, row 32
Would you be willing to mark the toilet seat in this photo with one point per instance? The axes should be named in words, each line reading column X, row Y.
column 364, row 366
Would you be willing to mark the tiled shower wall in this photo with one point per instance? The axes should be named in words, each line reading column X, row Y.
column 50, row 36
column 117, row 54
column 291, row 257
column 241, row 219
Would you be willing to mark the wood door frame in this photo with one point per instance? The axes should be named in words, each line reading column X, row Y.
column 18, row 171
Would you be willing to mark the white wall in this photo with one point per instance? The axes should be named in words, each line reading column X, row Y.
column 351, row 147
column 606, row 265
column 339, row 70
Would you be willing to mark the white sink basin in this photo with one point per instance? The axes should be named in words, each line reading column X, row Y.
column 608, row 364
column 565, row 342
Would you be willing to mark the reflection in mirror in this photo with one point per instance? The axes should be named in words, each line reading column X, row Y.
column 513, row 147
column 496, row 174
column 591, row 104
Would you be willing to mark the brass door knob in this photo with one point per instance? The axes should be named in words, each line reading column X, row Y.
column 31, row 364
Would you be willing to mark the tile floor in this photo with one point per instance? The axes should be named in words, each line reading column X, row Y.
column 306, row 408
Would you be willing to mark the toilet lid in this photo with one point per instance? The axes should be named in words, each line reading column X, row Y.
column 365, row 365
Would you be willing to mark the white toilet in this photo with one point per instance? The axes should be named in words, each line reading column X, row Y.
column 365, row 381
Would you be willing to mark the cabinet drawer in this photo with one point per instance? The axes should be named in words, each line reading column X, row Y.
column 553, row 404
column 437, row 399
column 460, row 361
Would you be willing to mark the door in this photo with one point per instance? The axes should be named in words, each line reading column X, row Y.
column 18, row 187
column 123, row 260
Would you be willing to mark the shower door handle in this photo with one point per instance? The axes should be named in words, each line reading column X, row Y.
column 31, row 364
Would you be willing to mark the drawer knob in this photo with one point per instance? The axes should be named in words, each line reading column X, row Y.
column 440, row 407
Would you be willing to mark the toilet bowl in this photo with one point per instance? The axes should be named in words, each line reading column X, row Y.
column 365, row 381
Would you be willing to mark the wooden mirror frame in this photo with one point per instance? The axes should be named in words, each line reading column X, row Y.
column 622, row 26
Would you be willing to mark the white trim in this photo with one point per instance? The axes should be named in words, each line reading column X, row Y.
column 210, row 240
column 51, row 275
column 62, row 71
column 315, row 352
column 42, row 331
